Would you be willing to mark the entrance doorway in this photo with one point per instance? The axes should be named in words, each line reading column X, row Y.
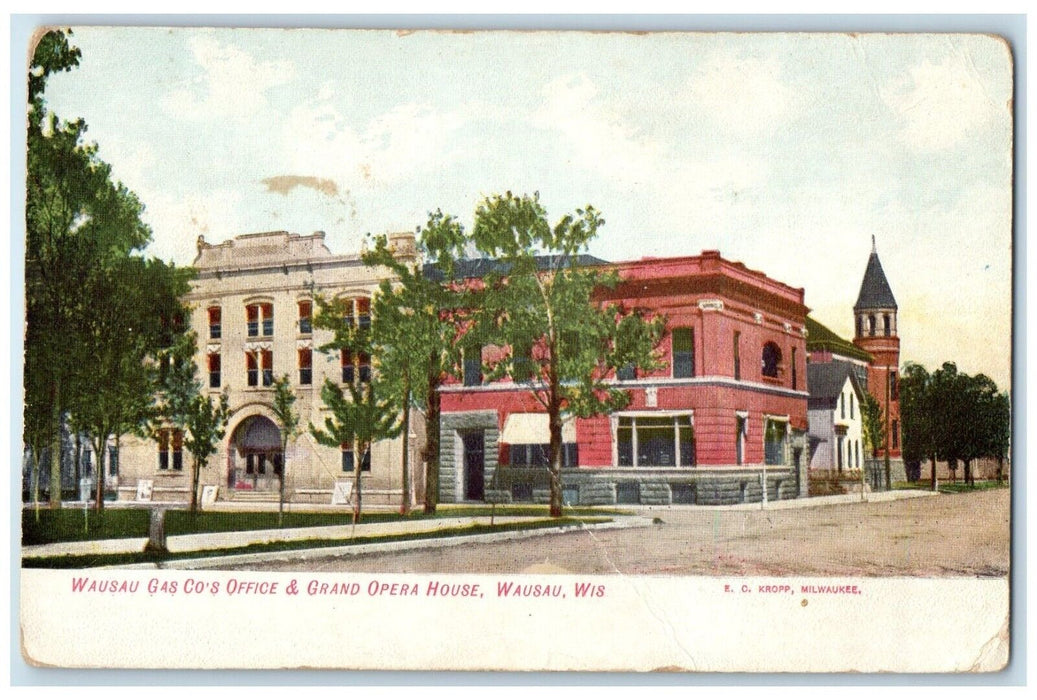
column 474, row 464
column 254, row 458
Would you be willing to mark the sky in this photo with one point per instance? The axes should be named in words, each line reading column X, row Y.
column 785, row 152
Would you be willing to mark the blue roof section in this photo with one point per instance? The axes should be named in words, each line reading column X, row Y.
column 480, row 267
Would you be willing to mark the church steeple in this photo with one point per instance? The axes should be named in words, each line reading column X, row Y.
column 876, row 307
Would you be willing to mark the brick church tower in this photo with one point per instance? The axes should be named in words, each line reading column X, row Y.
column 876, row 332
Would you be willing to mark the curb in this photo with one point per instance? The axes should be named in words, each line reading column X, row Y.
column 216, row 562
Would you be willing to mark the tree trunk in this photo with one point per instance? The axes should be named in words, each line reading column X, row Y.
column 932, row 471
column 554, row 418
column 967, row 473
column 555, row 422
column 34, row 463
column 196, row 469
column 358, row 460
column 79, row 457
column 100, row 443
column 1000, row 469
column 55, row 450
column 405, row 482
column 280, row 484
column 432, row 421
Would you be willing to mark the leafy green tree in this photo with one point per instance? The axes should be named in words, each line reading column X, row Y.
column 916, row 417
column 206, row 423
column 366, row 411
column 288, row 423
column 138, row 316
column 421, row 313
column 873, row 424
column 91, row 303
column 540, row 307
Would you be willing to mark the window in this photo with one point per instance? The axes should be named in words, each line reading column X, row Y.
column 629, row 493
column 214, row 322
column 251, row 369
column 893, row 389
column 267, row 357
column 857, row 453
column 252, row 315
column 472, row 365
column 895, row 430
column 113, row 460
column 522, row 364
column 860, row 326
column 260, row 316
column 737, row 355
column 871, row 324
column 170, row 449
column 355, row 367
column 363, row 311
column 770, row 360
column 359, row 308
column 774, row 441
column 540, row 455
column 348, row 463
column 649, row 441
column 214, row 370
column 268, row 319
column 885, row 324
column 305, row 366
column 683, row 352
column 851, row 406
column 626, row 373
column 306, row 317
column 795, row 375
column 741, row 425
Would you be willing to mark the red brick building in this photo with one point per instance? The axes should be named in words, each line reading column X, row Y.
column 727, row 412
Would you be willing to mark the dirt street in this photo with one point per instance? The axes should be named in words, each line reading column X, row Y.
column 946, row 535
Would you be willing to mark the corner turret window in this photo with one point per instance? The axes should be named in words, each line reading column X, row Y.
column 885, row 325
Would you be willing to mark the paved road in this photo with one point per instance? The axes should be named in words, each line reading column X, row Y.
column 946, row 535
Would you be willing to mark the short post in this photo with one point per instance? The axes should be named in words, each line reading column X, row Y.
column 156, row 531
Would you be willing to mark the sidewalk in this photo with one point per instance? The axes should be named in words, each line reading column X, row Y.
column 226, row 540
column 846, row 498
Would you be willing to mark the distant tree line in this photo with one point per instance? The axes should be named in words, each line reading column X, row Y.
column 949, row 416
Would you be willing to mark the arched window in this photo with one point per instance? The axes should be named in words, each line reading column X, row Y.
column 871, row 324
column 885, row 325
column 771, row 360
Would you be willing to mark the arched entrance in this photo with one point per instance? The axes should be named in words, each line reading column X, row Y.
column 254, row 458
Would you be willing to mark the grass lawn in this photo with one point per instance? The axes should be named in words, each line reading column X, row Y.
column 92, row 560
column 70, row 525
column 948, row 486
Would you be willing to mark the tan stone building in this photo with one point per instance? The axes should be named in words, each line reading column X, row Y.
column 252, row 307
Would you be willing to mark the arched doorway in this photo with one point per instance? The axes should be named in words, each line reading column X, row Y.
column 254, row 455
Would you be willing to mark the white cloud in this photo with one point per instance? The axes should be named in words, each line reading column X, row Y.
column 178, row 221
column 939, row 104
column 740, row 95
column 393, row 147
column 233, row 85
column 593, row 128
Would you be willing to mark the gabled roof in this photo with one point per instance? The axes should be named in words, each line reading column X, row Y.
column 825, row 380
column 875, row 292
column 480, row 267
column 821, row 337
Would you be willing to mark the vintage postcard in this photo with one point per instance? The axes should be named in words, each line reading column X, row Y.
column 524, row 351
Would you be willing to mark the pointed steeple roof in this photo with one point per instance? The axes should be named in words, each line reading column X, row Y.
column 875, row 292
